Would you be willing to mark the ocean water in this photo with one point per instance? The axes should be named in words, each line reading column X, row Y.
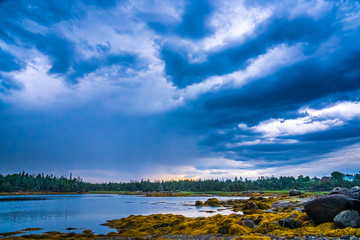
column 89, row 211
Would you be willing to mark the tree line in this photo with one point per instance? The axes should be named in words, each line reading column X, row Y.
column 24, row 182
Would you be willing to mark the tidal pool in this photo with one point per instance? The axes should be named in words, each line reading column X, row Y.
column 88, row 211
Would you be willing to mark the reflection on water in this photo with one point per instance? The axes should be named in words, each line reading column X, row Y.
column 77, row 212
column 10, row 199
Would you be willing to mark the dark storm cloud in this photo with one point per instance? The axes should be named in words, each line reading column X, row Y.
column 61, row 50
column 193, row 23
column 322, row 79
column 87, row 66
column 8, row 62
column 235, row 56
column 287, row 90
column 141, row 94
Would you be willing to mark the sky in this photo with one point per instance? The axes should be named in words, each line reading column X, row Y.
column 147, row 89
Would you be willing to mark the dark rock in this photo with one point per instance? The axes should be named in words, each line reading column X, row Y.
column 258, row 219
column 341, row 190
column 247, row 223
column 70, row 228
column 325, row 208
column 250, row 206
column 290, row 223
column 347, row 218
column 354, row 192
column 161, row 225
column 199, row 203
column 294, row 192
column 71, row 234
column 223, row 230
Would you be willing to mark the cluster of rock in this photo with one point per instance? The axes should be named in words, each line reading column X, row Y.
column 342, row 207
column 352, row 192
column 248, row 206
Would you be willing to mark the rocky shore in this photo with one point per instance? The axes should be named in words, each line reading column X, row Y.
column 295, row 216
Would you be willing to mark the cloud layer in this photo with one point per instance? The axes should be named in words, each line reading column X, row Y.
column 116, row 89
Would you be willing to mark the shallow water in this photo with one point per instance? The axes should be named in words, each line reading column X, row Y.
column 88, row 211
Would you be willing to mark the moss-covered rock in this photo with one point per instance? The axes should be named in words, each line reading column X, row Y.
column 212, row 202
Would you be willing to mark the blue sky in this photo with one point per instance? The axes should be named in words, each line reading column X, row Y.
column 120, row 90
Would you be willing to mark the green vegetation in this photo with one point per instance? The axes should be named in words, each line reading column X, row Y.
column 24, row 182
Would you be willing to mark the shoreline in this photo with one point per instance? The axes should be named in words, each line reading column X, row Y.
column 170, row 194
column 261, row 223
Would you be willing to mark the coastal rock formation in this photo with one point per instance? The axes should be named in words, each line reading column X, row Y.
column 294, row 192
column 325, row 208
column 354, row 192
column 212, row 202
column 347, row 218
column 341, row 190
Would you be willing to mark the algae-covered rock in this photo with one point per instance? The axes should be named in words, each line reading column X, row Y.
column 291, row 223
column 347, row 218
column 325, row 208
column 199, row 204
column 250, row 206
column 247, row 223
column 263, row 205
column 212, row 202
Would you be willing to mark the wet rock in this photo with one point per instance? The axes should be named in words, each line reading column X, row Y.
column 325, row 208
column 347, row 218
column 199, row 204
column 247, row 223
column 294, row 192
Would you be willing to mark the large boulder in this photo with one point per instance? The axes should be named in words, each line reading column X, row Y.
column 347, row 218
column 325, row 208
column 294, row 192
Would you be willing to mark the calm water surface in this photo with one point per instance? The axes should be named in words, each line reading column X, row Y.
column 88, row 211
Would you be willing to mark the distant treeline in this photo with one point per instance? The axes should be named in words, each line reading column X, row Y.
column 24, row 182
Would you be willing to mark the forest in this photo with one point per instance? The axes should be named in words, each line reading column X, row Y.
column 25, row 182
